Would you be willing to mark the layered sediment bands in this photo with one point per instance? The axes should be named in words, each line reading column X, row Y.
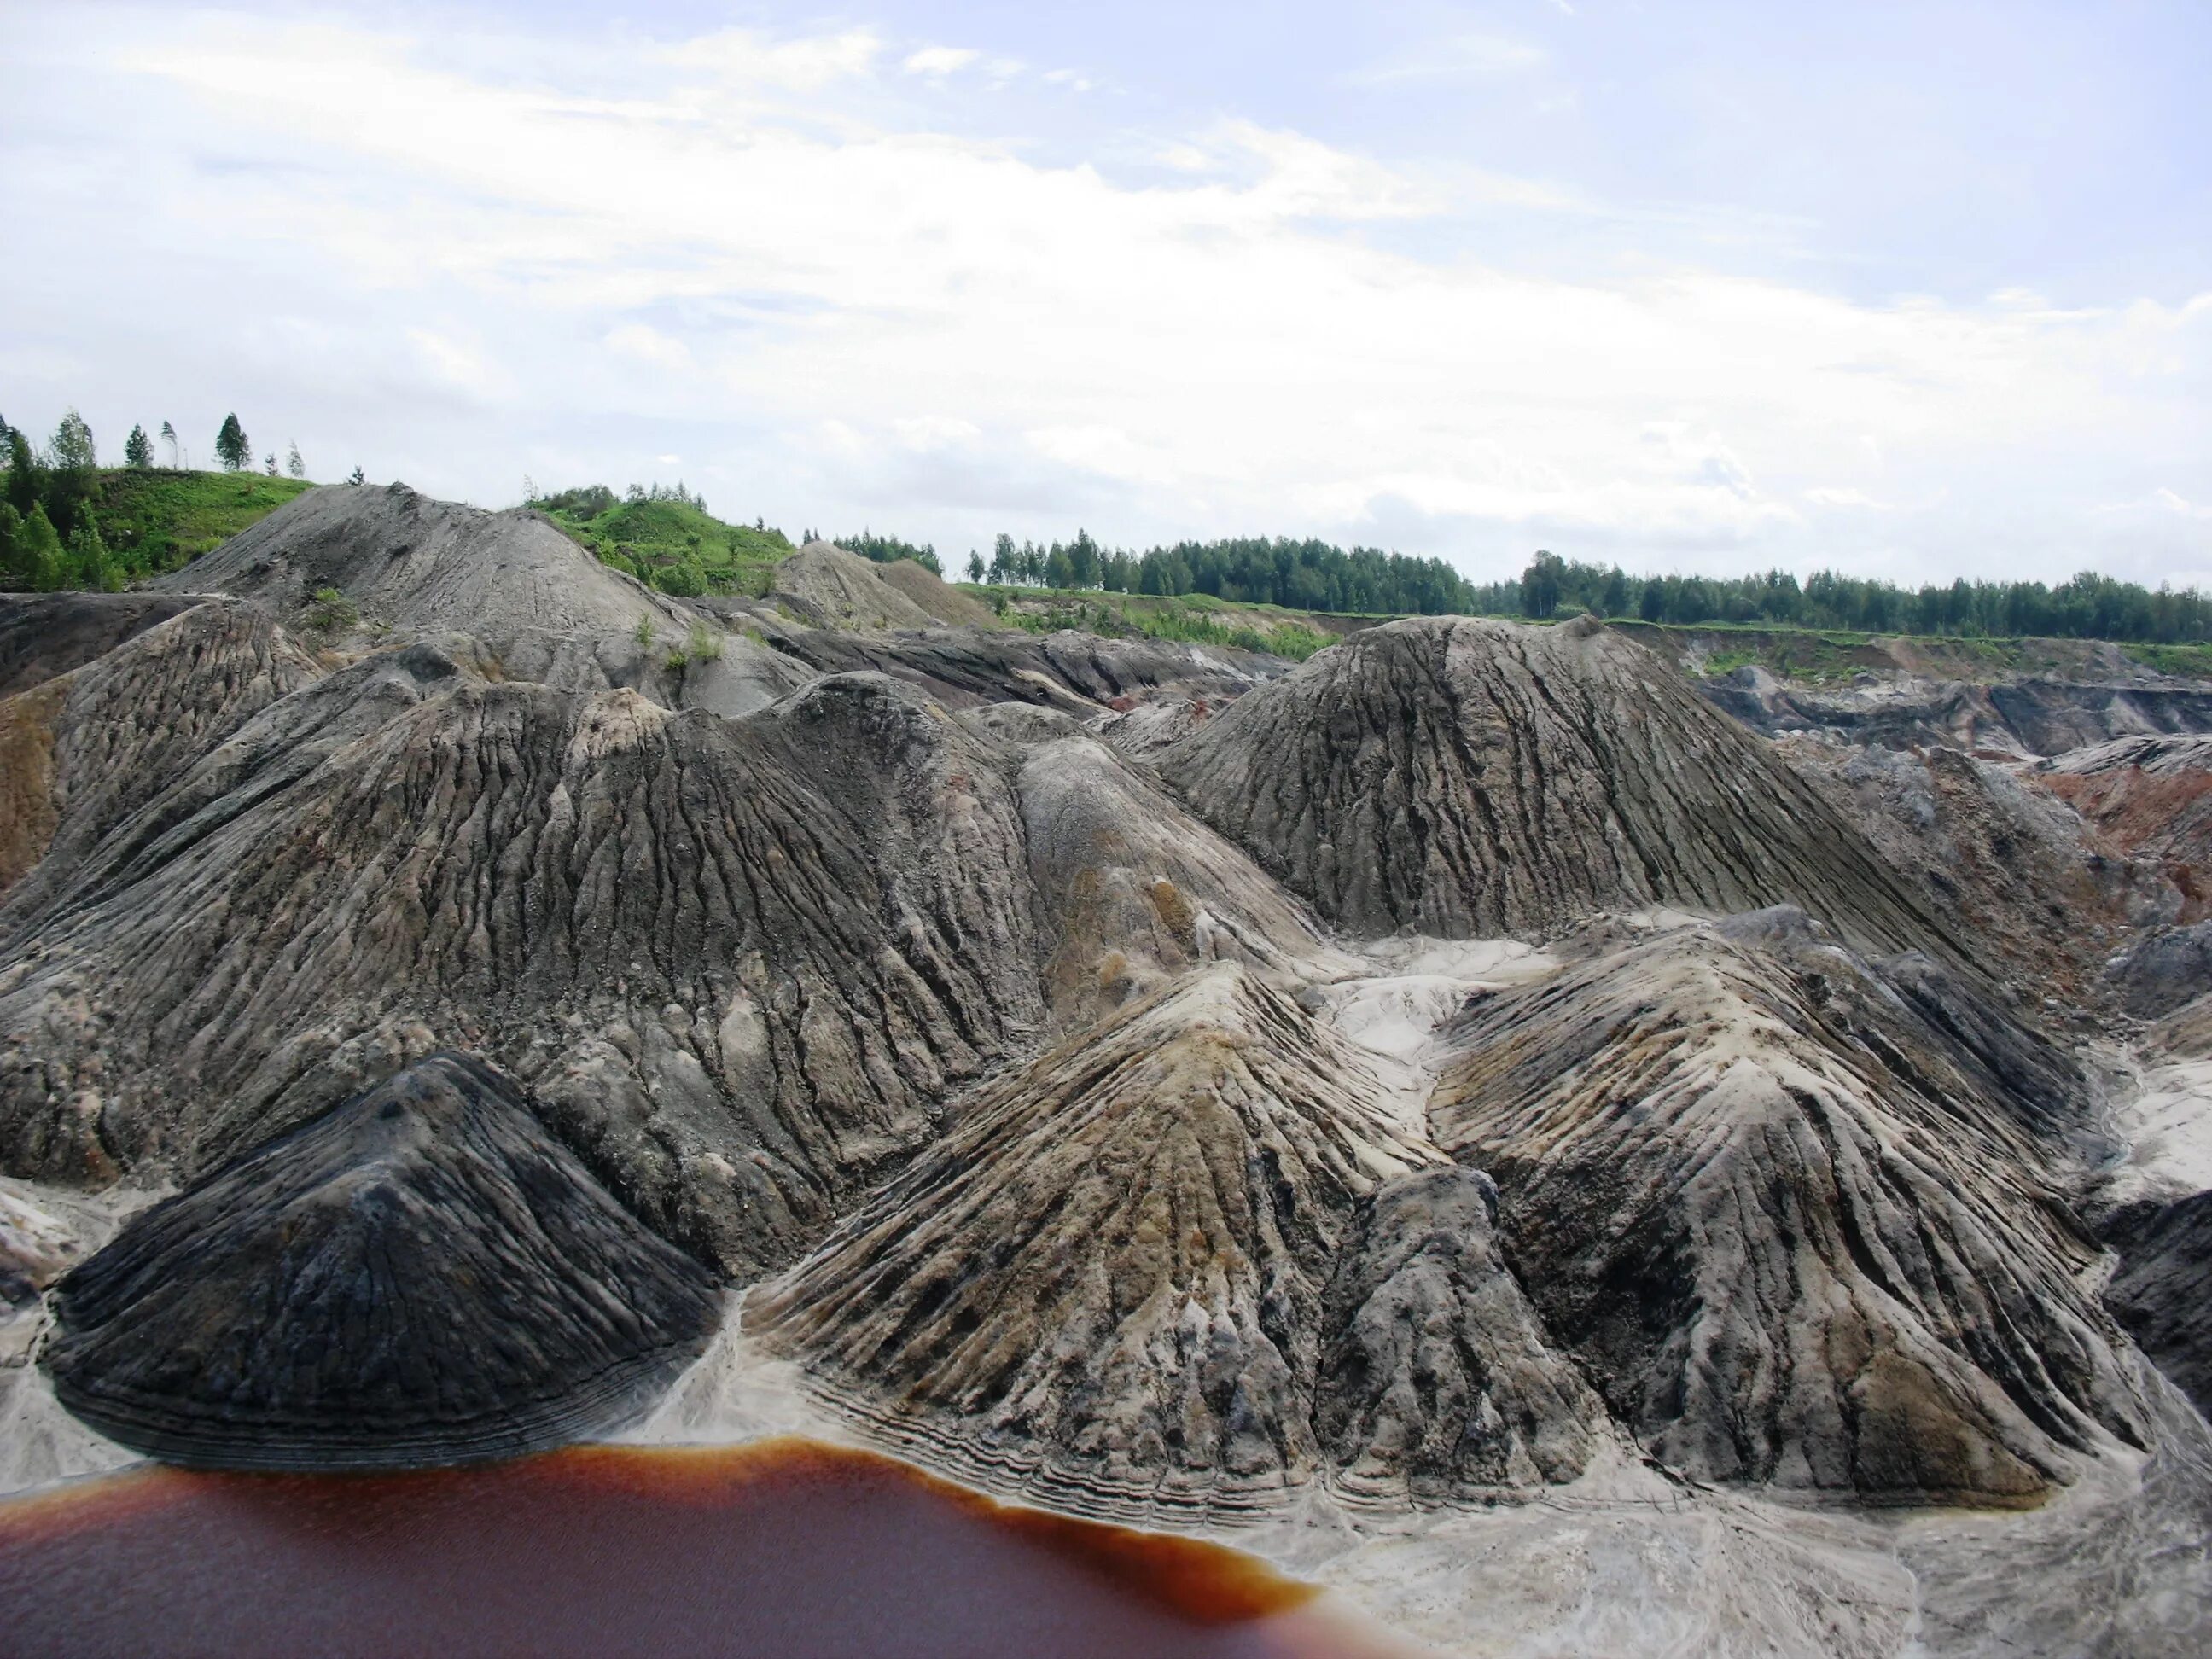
column 420, row 1276
column 1108, row 1279
column 1795, row 1237
column 84, row 750
column 740, row 962
column 1436, row 1381
column 2152, row 798
column 1985, row 843
column 2161, row 1290
column 2027, row 716
column 1463, row 777
column 1076, row 673
column 1132, row 890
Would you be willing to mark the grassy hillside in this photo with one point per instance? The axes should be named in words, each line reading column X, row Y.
column 154, row 520
column 674, row 543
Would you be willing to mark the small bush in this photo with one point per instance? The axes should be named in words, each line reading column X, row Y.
column 330, row 611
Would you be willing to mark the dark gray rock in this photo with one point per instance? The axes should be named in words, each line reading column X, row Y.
column 1436, row 1378
column 2163, row 1289
column 2168, row 970
column 43, row 635
column 420, row 1276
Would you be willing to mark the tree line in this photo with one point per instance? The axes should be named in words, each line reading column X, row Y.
column 1300, row 575
column 2087, row 606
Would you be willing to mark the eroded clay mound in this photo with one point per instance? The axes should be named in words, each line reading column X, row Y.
column 824, row 585
column 740, row 962
column 1985, row 843
column 420, row 1276
column 1438, row 1381
column 942, row 601
column 1463, row 777
column 543, row 607
column 1113, row 1280
column 1790, row 1216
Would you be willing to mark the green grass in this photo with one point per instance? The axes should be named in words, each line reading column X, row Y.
column 660, row 542
column 155, row 520
column 2194, row 661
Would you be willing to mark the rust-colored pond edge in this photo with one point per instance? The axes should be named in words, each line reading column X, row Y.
column 1194, row 1579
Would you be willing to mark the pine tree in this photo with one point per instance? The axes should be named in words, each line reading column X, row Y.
column 26, row 485
column 359, row 476
column 231, row 447
column 169, row 437
column 269, row 463
column 294, row 465
column 41, row 552
column 138, row 449
column 975, row 566
column 73, row 447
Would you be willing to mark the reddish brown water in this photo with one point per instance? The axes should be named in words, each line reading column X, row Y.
column 789, row 1548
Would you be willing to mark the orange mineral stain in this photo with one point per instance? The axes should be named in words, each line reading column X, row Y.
column 787, row 1548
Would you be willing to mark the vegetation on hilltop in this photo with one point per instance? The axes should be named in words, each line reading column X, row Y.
column 664, row 535
column 1195, row 619
column 68, row 522
column 890, row 549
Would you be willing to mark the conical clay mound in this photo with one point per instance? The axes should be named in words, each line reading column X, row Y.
column 1112, row 1282
column 1467, row 778
column 420, row 1276
column 1801, row 1234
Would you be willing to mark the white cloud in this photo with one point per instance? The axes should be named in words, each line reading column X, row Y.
column 939, row 60
column 746, row 58
column 459, row 273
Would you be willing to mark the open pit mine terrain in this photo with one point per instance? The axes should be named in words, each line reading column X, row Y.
column 1571, row 1155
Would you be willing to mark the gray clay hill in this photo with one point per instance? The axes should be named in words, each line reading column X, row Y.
column 1575, row 1154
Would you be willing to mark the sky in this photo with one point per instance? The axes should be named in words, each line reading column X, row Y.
column 1911, row 290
